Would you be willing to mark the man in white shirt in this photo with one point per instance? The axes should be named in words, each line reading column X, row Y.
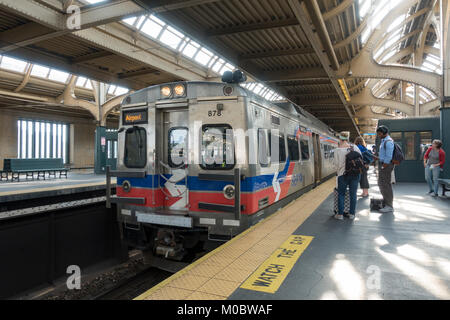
column 345, row 180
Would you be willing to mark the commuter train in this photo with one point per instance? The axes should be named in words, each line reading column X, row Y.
column 201, row 161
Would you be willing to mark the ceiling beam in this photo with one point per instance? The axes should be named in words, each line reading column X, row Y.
column 295, row 74
column 320, row 28
column 301, row 13
column 253, row 27
column 138, row 73
column 338, row 9
column 158, row 6
column 92, row 56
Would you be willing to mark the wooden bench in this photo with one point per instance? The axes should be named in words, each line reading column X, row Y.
column 32, row 166
column 445, row 183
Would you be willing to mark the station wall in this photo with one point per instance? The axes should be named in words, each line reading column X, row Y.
column 82, row 141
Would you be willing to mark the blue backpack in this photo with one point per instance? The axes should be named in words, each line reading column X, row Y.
column 367, row 157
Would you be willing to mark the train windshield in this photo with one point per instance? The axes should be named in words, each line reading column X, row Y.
column 217, row 147
column 135, row 155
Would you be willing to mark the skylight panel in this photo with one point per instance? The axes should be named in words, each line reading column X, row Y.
column 171, row 38
column 429, row 66
column 218, row 65
column 364, row 7
column 258, row 88
column 203, row 56
column 40, row 71
column 94, row 1
column 111, row 89
column 120, row 90
column 57, row 75
column 157, row 20
column 151, row 28
column 425, row 68
column 227, row 67
column 390, row 54
column 365, row 35
column 13, row 64
column 212, row 61
column 88, row 84
column 190, row 49
column 433, row 59
column 130, row 21
column 396, row 22
column 81, row 81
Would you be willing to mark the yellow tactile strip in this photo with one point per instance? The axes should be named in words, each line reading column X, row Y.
column 219, row 273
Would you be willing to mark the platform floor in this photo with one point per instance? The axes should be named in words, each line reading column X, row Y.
column 405, row 255
column 75, row 179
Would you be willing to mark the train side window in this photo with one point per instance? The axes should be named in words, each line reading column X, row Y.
column 281, row 147
column 304, row 147
column 217, row 148
column 135, row 155
column 325, row 151
column 263, row 148
column 293, row 149
column 177, row 153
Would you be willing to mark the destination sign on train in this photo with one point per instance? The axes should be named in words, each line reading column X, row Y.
column 134, row 117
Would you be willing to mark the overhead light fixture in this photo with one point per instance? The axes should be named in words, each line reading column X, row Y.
column 344, row 89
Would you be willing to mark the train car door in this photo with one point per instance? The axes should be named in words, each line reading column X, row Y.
column 317, row 158
column 173, row 165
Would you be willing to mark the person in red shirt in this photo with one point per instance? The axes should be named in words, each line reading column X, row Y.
column 433, row 161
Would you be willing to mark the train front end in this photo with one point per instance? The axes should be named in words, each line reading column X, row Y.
column 177, row 175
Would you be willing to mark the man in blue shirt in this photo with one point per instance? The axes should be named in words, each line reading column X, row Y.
column 386, row 167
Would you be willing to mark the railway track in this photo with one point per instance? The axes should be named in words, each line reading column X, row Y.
column 131, row 287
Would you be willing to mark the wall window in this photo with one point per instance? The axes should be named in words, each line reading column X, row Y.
column 304, row 147
column 217, row 147
column 135, row 148
column 293, row 149
column 425, row 141
column 42, row 139
column 410, row 146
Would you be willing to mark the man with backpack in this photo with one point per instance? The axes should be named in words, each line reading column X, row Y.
column 349, row 165
column 386, row 165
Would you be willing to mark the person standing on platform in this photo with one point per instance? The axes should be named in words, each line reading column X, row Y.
column 368, row 158
column 433, row 161
column 385, row 168
column 345, row 180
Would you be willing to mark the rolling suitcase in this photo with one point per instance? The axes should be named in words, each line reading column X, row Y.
column 346, row 201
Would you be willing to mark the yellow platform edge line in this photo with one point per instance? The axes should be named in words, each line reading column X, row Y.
column 225, row 245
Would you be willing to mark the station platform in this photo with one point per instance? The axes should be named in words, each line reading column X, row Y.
column 24, row 198
column 302, row 252
column 77, row 181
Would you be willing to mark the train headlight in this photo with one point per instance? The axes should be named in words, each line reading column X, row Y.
column 126, row 186
column 166, row 91
column 228, row 191
column 179, row 90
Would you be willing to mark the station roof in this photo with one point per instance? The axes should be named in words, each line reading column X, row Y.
column 290, row 49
